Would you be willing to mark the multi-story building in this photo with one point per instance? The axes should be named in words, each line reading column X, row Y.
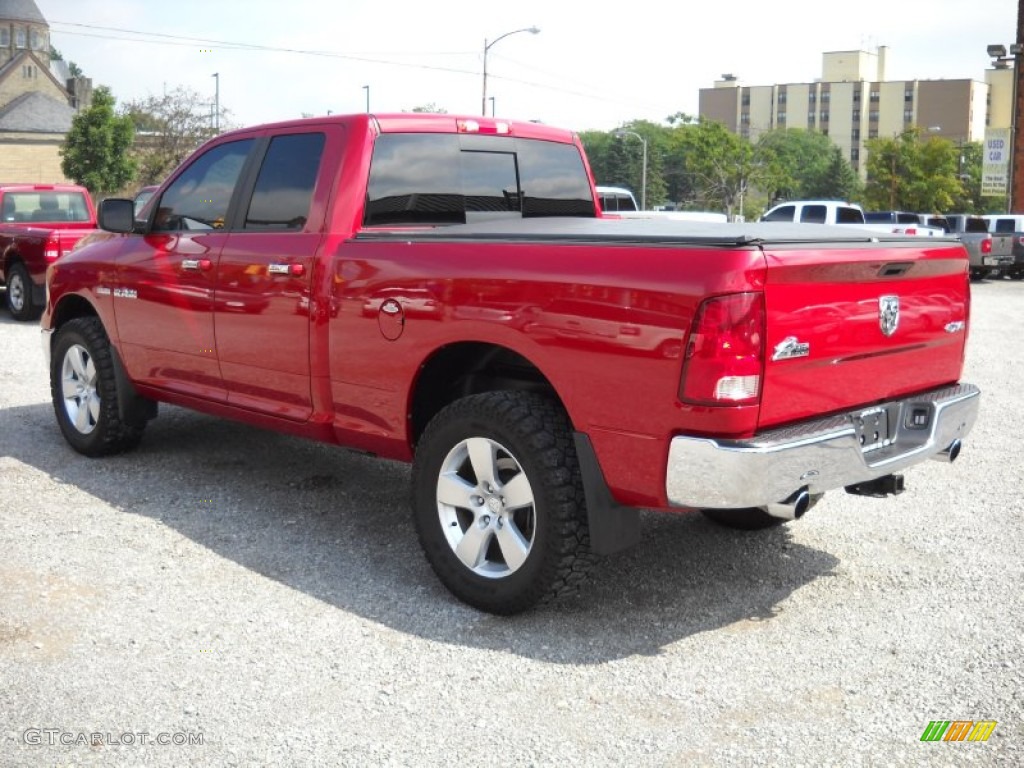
column 853, row 102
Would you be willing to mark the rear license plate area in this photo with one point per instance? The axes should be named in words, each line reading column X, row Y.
column 875, row 428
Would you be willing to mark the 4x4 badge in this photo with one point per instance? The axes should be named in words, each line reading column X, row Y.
column 888, row 314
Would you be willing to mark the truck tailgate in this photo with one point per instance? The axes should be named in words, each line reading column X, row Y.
column 853, row 326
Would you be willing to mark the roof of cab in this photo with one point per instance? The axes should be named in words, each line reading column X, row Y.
column 422, row 122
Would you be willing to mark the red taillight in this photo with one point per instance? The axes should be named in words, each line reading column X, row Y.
column 986, row 245
column 52, row 251
column 724, row 356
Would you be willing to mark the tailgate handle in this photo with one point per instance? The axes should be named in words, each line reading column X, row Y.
column 895, row 269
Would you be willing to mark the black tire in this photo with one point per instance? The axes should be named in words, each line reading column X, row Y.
column 83, row 388
column 750, row 518
column 526, row 550
column 19, row 294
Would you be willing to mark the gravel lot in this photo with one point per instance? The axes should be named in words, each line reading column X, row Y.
column 267, row 596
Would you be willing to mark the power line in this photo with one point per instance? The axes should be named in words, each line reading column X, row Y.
column 163, row 38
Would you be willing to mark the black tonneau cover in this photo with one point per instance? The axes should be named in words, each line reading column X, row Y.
column 650, row 231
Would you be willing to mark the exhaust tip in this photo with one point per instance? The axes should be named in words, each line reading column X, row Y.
column 801, row 503
column 953, row 451
column 950, row 452
column 792, row 508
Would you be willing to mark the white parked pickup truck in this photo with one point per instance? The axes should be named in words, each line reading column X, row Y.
column 841, row 212
column 619, row 203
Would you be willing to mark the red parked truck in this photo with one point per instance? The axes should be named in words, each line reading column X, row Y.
column 444, row 291
column 39, row 223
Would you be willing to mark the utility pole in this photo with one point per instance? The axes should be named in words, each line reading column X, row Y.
column 1016, row 201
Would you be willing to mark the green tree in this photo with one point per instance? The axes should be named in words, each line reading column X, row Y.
column 836, row 181
column 909, row 173
column 430, row 108
column 725, row 167
column 167, row 129
column 73, row 69
column 808, row 166
column 970, row 199
column 95, row 152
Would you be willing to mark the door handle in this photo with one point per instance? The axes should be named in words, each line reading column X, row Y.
column 197, row 265
column 291, row 270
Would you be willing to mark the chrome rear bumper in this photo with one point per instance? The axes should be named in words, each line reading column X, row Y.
column 816, row 456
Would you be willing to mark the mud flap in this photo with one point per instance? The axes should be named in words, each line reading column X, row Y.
column 613, row 527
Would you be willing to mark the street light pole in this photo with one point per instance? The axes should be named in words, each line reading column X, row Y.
column 216, row 102
column 491, row 99
column 487, row 47
column 643, row 176
column 367, row 89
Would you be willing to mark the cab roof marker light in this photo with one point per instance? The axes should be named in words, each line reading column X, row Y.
column 502, row 127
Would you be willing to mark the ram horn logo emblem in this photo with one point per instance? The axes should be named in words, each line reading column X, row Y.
column 888, row 314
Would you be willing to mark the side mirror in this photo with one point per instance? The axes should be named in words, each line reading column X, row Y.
column 117, row 215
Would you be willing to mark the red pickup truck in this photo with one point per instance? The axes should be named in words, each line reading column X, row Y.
column 444, row 290
column 39, row 223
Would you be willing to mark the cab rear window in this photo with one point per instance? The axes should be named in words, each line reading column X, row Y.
column 452, row 179
column 45, row 206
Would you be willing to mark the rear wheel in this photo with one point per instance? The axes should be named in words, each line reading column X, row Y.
column 19, row 294
column 84, row 390
column 498, row 501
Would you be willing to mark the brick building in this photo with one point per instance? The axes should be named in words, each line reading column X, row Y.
column 37, row 98
column 853, row 102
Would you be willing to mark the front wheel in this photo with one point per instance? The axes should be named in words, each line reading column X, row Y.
column 84, row 390
column 498, row 501
column 19, row 294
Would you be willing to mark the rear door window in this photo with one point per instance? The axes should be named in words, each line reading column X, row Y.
column 284, row 187
column 813, row 214
column 1003, row 226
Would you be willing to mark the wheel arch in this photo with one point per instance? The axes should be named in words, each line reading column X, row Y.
column 134, row 409
column 465, row 368
column 472, row 367
column 70, row 307
column 9, row 257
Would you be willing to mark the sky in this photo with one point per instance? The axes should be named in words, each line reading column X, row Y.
column 592, row 66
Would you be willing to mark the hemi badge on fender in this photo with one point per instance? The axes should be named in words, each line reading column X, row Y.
column 955, row 326
column 789, row 348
